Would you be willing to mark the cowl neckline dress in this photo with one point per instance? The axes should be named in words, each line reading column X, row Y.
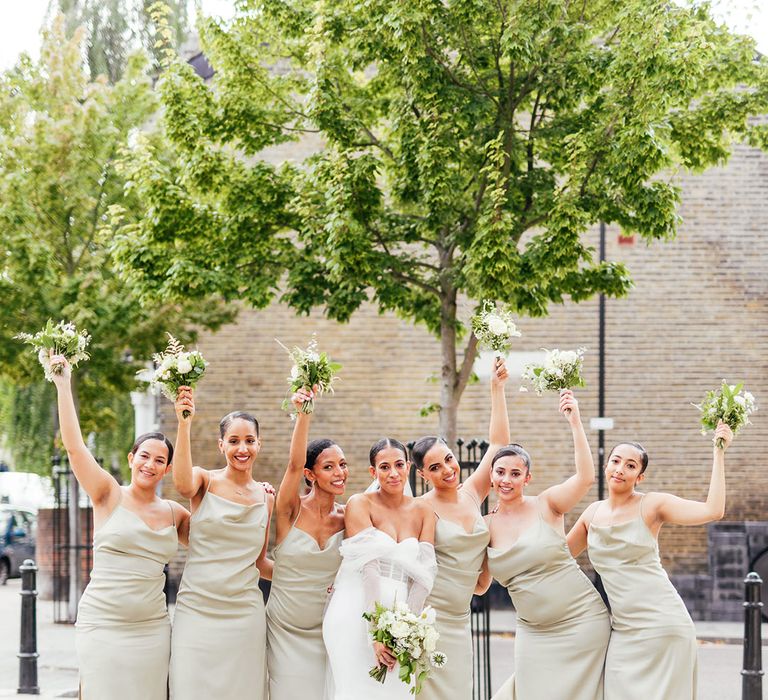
column 122, row 614
column 303, row 573
column 459, row 557
column 652, row 653
column 563, row 625
column 218, row 648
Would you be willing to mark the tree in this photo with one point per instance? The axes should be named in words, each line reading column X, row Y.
column 60, row 136
column 468, row 146
column 116, row 28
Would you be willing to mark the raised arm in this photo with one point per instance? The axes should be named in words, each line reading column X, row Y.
column 479, row 482
column 666, row 508
column 577, row 537
column 288, row 501
column 98, row 484
column 563, row 497
column 187, row 480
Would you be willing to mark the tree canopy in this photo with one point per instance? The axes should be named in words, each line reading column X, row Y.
column 466, row 148
column 60, row 137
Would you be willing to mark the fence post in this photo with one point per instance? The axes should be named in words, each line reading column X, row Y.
column 752, row 673
column 28, row 641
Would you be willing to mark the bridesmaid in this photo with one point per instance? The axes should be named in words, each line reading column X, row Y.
column 219, row 626
column 563, row 626
column 309, row 533
column 652, row 653
column 122, row 613
column 461, row 538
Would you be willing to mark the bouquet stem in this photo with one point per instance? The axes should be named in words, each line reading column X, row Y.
column 720, row 443
column 308, row 406
column 379, row 673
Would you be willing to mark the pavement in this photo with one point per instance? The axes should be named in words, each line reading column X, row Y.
column 720, row 652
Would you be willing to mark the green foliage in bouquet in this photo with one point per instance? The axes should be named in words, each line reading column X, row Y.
column 311, row 368
column 61, row 338
column 176, row 368
column 730, row 404
column 561, row 370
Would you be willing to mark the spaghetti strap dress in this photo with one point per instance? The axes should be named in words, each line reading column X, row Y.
column 303, row 573
column 459, row 559
column 563, row 626
column 219, row 640
column 122, row 614
column 652, row 653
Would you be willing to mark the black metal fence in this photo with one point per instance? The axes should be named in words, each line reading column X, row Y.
column 72, row 542
column 469, row 454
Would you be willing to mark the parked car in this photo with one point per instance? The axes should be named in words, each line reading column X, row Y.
column 18, row 528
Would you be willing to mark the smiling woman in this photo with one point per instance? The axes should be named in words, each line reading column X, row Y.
column 220, row 606
column 122, row 612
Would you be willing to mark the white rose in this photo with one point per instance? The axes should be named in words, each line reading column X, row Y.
column 399, row 630
column 497, row 326
column 184, row 366
column 313, row 357
column 294, row 372
column 568, row 356
column 739, row 399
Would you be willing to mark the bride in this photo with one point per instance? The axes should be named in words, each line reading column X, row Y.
column 388, row 555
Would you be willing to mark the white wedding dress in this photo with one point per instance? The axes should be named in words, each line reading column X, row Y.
column 374, row 567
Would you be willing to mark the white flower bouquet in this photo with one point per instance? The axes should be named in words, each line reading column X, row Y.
column 730, row 404
column 411, row 638
column 63, row 339
column 175, row 368
column 311, row 368
column 561, row 370
column 494, row 328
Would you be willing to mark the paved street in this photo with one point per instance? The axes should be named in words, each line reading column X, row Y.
column 719, row 662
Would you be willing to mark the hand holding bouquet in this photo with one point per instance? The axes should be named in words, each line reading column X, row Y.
column 411, row 639
column 312, row 370
column 61, row 339
column 729, row 404
column 561, row 370
column 494, row 328
column 176, row 368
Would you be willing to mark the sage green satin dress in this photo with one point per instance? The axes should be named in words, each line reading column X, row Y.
column 563, row 626
column 296, row 655
column 218, row 648
column 459, row 559
column 652, row 653
column 123, row 634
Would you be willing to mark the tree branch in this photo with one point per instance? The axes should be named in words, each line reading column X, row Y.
column 470, row 354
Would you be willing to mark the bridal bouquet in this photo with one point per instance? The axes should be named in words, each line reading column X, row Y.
column 311, row 368
column 561, row 370
column 494, row 328
column 176, row 367
column 63, row 339
column 411, row 638
column 730, row 404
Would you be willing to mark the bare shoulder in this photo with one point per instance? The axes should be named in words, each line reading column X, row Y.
column 178, row 509
column 589, row 511
column 424, row 508
column 357, row 502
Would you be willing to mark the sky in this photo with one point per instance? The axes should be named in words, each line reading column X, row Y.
column 19, row 30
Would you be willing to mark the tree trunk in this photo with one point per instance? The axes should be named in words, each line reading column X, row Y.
column 449, row 403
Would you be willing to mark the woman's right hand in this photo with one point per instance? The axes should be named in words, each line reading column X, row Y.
column 63, row 377
column 500, row 372
column 185, row 402
column 384, row 655
column 302, row 396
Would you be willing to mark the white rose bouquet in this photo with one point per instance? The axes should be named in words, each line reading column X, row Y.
column 411, row 638
column 494, row 328
column 176, row 367
column 63, row 339
column 561, row 370
column 730, row 404
column 311, row 368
